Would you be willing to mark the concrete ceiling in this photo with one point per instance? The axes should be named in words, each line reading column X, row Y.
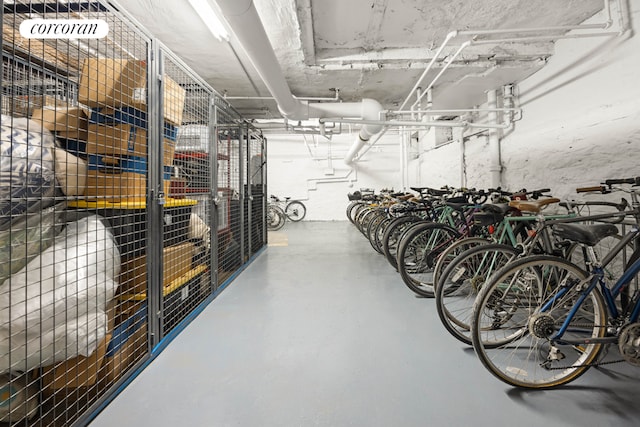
column 366, row 49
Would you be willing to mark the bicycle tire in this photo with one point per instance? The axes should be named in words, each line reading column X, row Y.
column 379, row 233
column 453, row 251
column 295, row 210
column 461, row 281
column 513, row 339
column 418, row 252
column 275, row 218
column 373, row 226
column 392, row 234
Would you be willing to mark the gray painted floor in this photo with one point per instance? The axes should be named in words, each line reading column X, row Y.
column 323, row 332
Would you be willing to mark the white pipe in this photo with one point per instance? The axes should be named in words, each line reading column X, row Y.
column 404, row 156
column 242, row 17
column 462, row 110
column 495, row 167
column 534, row 38
column 533, row 30
column 446, row 66
column 245, row 23
column 442, row 123
column 301, row 98
column 426, row 70
column 378, row 136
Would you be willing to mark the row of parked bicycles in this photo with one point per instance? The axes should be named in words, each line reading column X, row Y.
column 541, row 288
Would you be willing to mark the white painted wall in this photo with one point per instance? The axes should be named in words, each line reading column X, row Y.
column 580, row 125
column 293, row 171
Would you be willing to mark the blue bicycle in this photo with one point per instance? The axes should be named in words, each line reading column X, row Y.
column 542, row 321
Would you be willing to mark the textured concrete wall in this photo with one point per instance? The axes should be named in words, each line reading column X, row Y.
column 293, row 172
column 580, row 125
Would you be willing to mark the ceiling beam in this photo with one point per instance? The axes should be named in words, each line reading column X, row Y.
column 372, row 36
column 505, row 51
column 305, row 23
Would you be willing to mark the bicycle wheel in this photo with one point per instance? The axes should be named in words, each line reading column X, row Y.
column 380, row 217
column 295, row 211
column 379, row 233
column 452, row 252
column 365, row 218
column 461, row 281
column 352, row 208
column 275, row 218
column 392, row 236
column 418, row 252
column 515, row 338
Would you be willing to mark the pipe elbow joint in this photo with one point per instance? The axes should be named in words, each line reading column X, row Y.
column 299, row 111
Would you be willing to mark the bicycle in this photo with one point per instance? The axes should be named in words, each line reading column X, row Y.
column 275, row 217
column 294, row 210
column 542, row 321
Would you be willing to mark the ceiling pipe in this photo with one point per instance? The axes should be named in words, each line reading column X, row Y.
column 242, row 17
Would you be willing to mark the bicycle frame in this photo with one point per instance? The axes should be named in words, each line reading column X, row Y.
column 609, row 294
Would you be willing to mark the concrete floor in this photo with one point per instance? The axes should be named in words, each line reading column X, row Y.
column 320, row 331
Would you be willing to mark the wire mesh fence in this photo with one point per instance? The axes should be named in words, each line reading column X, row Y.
column 122, row 181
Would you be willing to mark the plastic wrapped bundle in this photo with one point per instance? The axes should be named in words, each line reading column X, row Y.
column 27, row 177
column 55, row 308
column 29, row 236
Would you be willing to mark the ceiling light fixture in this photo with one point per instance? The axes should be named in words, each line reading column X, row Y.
column 211, row 19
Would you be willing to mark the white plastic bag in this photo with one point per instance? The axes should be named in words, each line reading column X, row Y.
column 55, row 307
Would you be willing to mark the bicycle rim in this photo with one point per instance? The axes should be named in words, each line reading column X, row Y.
column 462, row 280
column 515, row 341
column 418, row 252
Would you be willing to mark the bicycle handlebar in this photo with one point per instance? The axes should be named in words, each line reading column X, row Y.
column 634, row 181
column 599, row 188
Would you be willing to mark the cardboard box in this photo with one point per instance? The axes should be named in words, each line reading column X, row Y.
column 115, row 187
column 173, row 102
column 117, row 82
column 25, row 106
column 63, row 120
column 124, row 140
column 79, row 371
column 126, row 356
column 112, row 82
column 176, row 262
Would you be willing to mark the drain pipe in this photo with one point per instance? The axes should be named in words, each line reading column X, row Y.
column 242, row 17
column 495, row 168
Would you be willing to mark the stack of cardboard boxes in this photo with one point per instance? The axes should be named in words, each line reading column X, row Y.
column 115, row 90
column 109, row 129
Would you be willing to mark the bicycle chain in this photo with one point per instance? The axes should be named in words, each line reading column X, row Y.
column 588, row 325
column 586, row 365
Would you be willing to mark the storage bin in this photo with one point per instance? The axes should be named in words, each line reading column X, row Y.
column 128, row 220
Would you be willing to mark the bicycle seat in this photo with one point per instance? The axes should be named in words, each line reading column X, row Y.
column 491, row 213
column 534, row 206
column 587, row 234
column 498, row 208
column 458, row 206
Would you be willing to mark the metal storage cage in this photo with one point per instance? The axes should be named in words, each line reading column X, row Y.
column 255, row 189
column 121, row 174
column 191, row 181
column 230, row 166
